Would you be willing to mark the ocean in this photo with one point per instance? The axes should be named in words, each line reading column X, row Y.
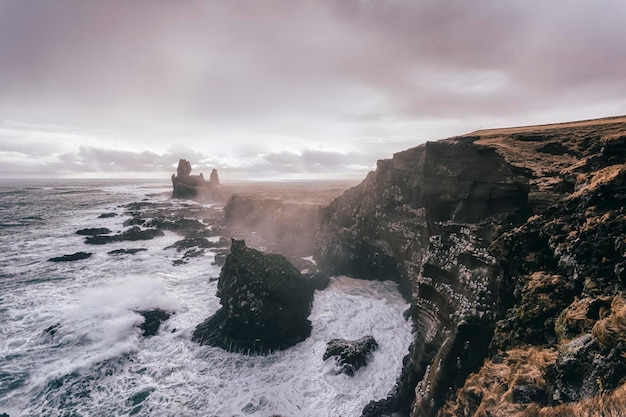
column 70, row 344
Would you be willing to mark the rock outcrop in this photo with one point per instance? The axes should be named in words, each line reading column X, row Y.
column 73, row 257
column 350, row 354
column 186, row 185
column 512, row 234
column 265, row 304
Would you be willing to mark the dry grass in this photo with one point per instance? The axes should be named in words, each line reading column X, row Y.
column 612, row 329
column 605, row 405
column 597, row 178
column 489, row 392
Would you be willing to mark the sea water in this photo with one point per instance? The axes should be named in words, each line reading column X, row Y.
column 93, row 360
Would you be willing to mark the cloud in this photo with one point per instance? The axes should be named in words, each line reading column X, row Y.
column 249, row 83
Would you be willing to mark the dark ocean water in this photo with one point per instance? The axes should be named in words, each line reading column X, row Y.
column 95, row 362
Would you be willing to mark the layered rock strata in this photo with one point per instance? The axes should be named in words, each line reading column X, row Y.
column 427, row 219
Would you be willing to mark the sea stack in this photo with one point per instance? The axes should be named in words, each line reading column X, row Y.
column 186, row 185
column 265, row 304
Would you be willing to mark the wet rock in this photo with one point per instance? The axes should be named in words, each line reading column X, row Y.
column 73, row 257
column 350, row 354
column 134, row 233
column 197, row 242
column 153, row 320
column 126, row 251
column 93, row 231
column 265, row 304
column 52, row 330
column 107, row 215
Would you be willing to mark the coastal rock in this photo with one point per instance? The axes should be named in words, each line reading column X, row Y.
column 496, row 234
column 350, row 354
column 134, row 233
column 152, row 321
column 186, row 185
column 126, row 251
column 93, row 231
column 265, row 304
column 73, row 257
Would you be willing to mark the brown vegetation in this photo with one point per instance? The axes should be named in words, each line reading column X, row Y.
column 504, row 386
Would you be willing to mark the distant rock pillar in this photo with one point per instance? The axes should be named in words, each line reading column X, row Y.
column 214, row 179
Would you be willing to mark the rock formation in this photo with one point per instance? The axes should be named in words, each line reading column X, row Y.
column 510, row 245
column 152, row 321
column 73, row 257
column 265, row 304
column 186, row 185
column 350, row 354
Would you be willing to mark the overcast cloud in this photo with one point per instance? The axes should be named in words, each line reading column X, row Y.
column 289, row 88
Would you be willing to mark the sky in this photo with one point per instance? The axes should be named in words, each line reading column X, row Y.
column 269, row 89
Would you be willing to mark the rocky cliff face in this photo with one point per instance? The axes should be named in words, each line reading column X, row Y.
column 498, row 231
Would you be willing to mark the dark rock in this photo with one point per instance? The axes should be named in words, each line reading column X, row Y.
column 198, row 242
column 107, row 215
column 153, row 320
column 350, row 354
column 176, row 224
column 265, row 304
column 318, row 280
column 132, row 234
column 220, row 259
column 73, row 257
column 93, row 231
column 189, row 186
column 126, row 251
column 583, row 370
column 52, row 329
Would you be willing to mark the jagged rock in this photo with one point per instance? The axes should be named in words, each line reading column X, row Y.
column 126, row 251
column 73, row 257
column 153, row 320
column 186, row 185
column 93, row 231
column 350, row 354
column 265, row 304
column 134, row 233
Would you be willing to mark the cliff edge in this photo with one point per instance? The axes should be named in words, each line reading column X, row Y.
column 510, row 245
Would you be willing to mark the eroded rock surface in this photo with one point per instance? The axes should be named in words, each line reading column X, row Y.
column 494, row 233
column 350, row 354
column 265, row 304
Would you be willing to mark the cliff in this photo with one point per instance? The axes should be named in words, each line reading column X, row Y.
column 502, row 239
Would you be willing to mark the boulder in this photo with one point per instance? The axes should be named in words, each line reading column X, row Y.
column 350, row 354
column 265, row 304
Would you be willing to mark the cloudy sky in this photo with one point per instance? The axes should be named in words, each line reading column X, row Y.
column 289, row 88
